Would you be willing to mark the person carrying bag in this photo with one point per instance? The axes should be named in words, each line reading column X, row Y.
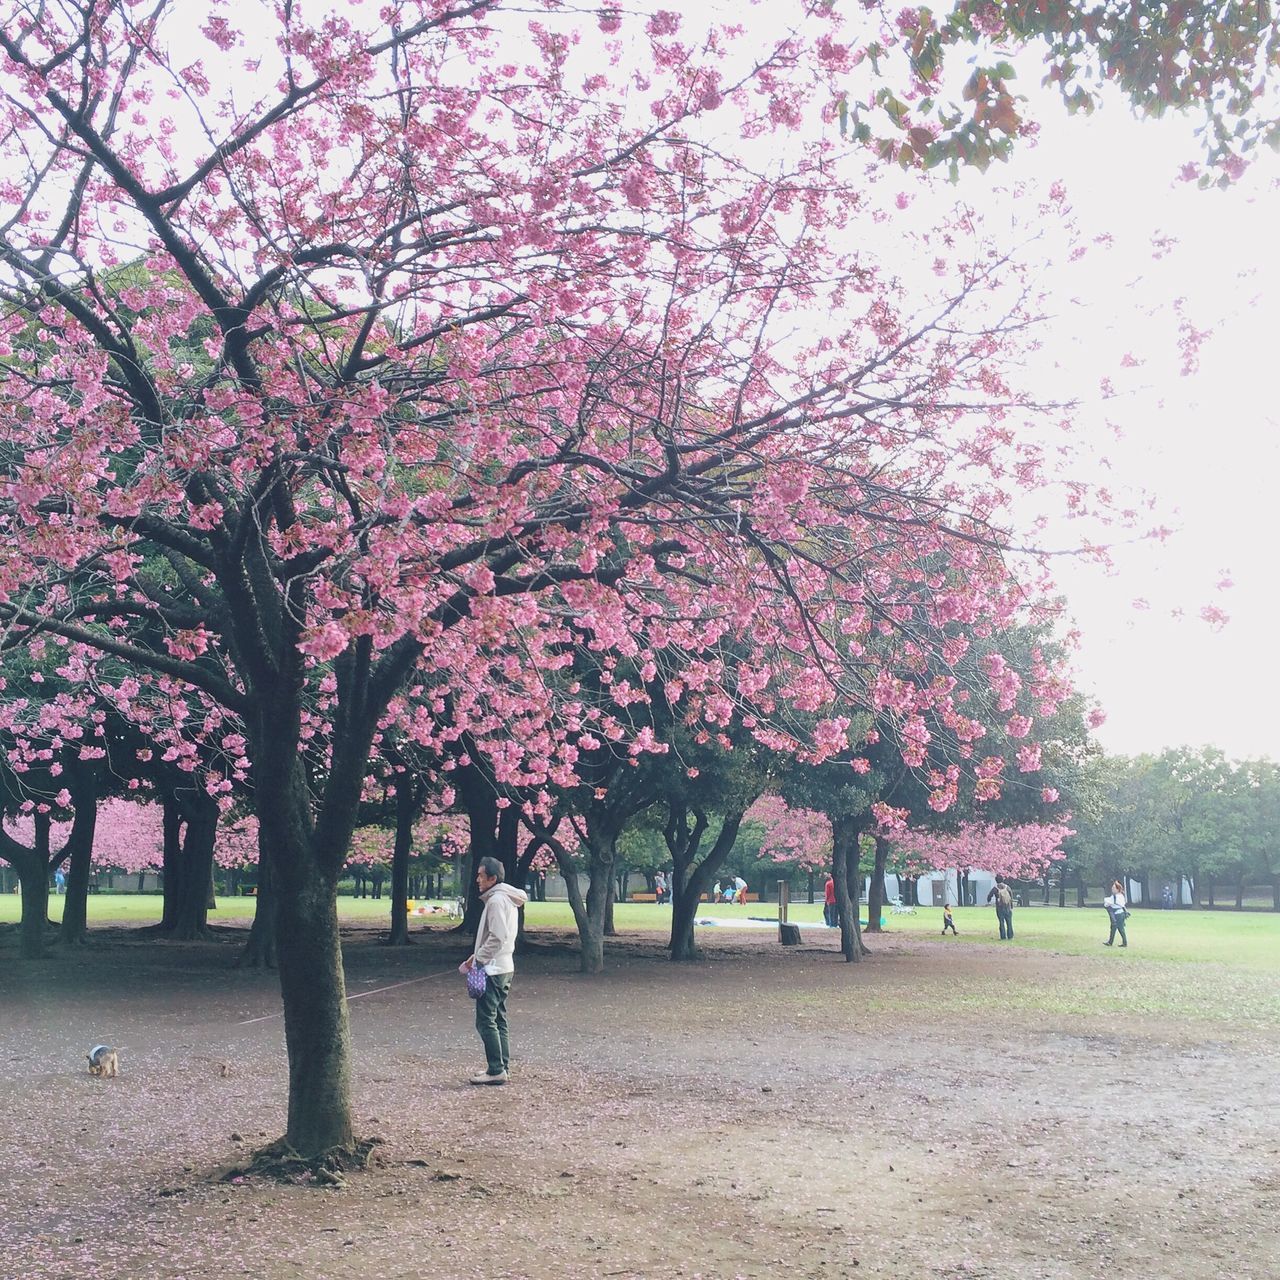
column 1117, row 906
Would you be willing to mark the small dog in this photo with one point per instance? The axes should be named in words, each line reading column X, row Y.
column 103, row 1061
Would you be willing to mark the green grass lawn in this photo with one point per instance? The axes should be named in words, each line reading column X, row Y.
column 1240, row 940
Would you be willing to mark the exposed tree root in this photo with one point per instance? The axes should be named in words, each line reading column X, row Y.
column 279, row 1162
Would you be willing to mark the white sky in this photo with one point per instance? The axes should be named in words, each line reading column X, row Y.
column 1207, row 446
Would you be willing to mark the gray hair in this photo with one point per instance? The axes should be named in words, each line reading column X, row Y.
column 492, row 867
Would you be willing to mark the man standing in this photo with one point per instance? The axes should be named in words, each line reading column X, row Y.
column 495, row 954
column 1003, row 896
column 829, row 912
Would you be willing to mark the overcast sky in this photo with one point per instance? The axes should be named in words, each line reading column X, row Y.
column 1207, row 446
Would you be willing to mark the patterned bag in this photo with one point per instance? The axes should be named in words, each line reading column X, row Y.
column 477, row 980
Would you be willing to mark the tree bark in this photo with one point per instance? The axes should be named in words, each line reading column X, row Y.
column 406, row 810
column 610, row 930
column 846, row 863
column 317, row 1031
column 876, row 893
column 260, row 947
column 33, row 879
column 599, row 891
column 171, row 863
column 82, row 781
column 690, row 881
column 191, row 905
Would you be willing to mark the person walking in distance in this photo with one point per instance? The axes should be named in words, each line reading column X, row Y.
column 947, row 921
column 1117, row 906
column 1003, row 897
column 495, row 954
column 829, row 912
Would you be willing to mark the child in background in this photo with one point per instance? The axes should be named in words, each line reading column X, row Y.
column 947, row 921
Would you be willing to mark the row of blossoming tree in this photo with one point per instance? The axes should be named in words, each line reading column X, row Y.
column 449, row 385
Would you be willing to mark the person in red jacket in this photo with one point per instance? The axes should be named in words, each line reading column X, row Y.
column 829, row 913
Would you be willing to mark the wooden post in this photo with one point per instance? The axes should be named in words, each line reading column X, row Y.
column 788, row 934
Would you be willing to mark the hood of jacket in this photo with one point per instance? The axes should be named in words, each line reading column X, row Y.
column 502, row 889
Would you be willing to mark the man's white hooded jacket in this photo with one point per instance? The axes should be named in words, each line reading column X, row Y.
column 499, row 924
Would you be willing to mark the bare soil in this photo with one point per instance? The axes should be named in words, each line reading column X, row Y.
column 765, row 1113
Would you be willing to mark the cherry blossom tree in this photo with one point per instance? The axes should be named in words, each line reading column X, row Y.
column 1019, row 852
column 349, row 353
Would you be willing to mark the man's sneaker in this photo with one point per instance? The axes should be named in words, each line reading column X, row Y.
column 485, row 1078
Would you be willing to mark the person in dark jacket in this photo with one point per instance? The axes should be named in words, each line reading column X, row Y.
column 1002, row 895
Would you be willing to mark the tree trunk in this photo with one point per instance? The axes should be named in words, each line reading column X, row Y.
column 684, row 912
column 406, row 808
column 317, row 1032
column 75, row 903
column 876, row 893
column 1209, row 890
column 260, row 948
column 1275, row 893
column 846, row 867
column 691, row 879
column 609, row 930
column 171, row 876
column 1240, row 892
column 33, row 879
column 1062, row 888
column 572, row 886
column 191, row 906
column 592, row 928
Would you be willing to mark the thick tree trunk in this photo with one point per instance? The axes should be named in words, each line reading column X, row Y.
column 317, row 1032
column 684, row 912
column 33, row 879
column 191, row 905
column 406, row 809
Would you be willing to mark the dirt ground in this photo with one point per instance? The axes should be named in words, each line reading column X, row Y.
column 766, row 1113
